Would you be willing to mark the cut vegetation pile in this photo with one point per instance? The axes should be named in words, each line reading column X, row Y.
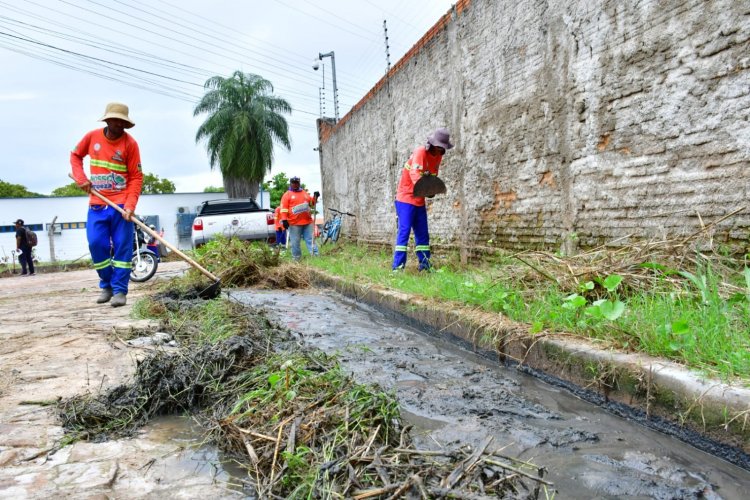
column 301, row 427
column 308, row 431
column 241, row 264
column 163, row 383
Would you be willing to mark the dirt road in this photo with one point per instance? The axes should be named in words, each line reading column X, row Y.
column 57, row 342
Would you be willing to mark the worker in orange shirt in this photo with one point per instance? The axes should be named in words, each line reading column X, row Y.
column 296, row 217
column 115, row 164
column 280, row 231
column 410, row 209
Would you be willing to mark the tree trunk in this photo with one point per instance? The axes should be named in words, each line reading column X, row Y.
column 240, row 188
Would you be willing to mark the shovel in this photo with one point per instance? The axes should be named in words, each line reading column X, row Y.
column 429, row 185
column 211, row 292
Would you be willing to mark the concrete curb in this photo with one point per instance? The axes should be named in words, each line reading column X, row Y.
column 658, row 387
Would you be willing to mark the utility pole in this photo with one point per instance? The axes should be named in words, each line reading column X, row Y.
column 333, row 71
column 322, row 94
column 387, row 48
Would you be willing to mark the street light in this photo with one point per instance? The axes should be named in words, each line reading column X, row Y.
column 316, row 65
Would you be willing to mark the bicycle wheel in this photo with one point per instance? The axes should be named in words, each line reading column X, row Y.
column 335, row 231
column 144, row 267
column 325, row 233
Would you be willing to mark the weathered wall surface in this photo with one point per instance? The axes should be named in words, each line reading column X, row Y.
column 572, row 120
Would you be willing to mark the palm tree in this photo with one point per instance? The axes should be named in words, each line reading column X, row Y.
column 245, row 119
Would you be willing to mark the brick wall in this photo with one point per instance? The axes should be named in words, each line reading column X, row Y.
column 572, row 120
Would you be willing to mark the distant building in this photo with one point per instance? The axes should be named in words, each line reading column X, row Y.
column 174, row 213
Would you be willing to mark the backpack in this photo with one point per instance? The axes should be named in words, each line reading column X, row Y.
column 31, row 238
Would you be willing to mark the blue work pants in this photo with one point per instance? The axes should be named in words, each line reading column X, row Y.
column 111, row 246
column 412, row 217
column 281, row 237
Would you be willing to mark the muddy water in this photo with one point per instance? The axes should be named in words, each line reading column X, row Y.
column 197, row 459
column 453, row 397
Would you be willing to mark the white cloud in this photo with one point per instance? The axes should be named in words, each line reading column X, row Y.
column 21, row 96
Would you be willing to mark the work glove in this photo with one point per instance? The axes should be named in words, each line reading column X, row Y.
column 285, row 223
column 316, row 194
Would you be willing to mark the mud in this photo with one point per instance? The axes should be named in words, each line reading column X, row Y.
column 452, row 397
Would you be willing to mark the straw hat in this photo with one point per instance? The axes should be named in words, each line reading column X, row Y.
column 117, row 110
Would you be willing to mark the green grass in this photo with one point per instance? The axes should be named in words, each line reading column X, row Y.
column 199, row 321
column 686, row 321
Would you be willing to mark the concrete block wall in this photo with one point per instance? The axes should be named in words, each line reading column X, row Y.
column 573, row 120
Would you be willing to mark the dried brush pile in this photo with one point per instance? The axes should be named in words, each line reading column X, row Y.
column 644, row 266
column 163, row 383
column 306, row 430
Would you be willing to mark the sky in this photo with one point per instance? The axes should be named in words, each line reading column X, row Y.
column 63, row 60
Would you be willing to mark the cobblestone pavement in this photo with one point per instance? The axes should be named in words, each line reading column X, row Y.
column 57, row 342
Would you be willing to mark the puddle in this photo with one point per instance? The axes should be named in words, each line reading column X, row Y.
column 195, row 459
column 454, row 397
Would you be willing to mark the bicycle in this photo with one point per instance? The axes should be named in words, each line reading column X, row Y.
column 332, row 227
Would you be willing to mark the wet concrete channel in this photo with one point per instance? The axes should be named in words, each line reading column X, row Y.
column 454, row 397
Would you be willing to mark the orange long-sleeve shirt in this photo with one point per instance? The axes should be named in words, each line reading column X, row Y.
column 419, row 163
column 295, row 207
column 115, row 167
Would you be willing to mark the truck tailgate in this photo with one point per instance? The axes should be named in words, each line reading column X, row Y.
column 245, row 227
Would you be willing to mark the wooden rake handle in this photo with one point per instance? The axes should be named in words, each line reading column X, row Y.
column 153, row 233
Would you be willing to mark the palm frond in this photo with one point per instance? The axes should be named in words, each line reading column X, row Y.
column 245, row 122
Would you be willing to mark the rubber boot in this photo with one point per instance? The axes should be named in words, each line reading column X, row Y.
column 120, row 299
column 104, row 296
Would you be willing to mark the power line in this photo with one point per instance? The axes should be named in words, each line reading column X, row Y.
column 176, row 94
column 98, row 43
column 173, row 67
column 161, row 35
column 321, row 19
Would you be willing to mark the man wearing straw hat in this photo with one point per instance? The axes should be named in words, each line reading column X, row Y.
column 115, row 165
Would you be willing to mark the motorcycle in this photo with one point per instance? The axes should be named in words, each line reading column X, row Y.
column 144, row 260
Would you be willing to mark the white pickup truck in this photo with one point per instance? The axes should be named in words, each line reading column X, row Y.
column 238, row 218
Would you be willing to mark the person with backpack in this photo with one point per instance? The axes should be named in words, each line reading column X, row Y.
column 25, row 241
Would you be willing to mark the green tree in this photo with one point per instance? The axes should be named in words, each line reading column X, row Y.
column 8, row 190
column 153, row 185
column 71, row 189
column 245, row 120
column 277, row 186
column 213, row 189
